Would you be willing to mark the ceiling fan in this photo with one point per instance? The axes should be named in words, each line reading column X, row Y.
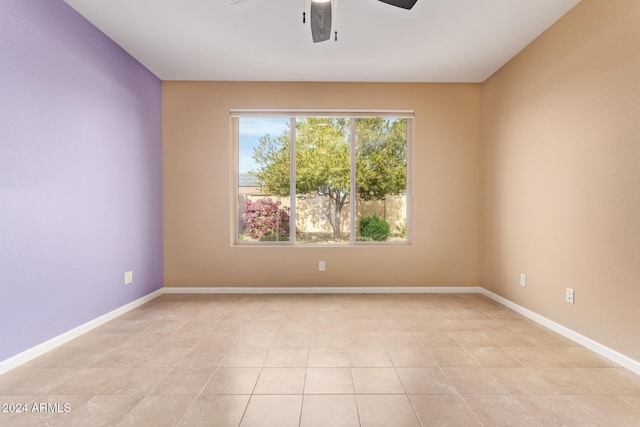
column 321, row 15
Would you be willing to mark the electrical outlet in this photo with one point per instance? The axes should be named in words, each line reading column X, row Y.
column 523, row 280
column 570, row 296
column 128, row 277
column 321, row 265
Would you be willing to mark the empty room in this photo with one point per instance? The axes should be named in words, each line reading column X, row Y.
column 320, row 213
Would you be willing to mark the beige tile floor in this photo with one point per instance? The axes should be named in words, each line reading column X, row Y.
column 321, row 360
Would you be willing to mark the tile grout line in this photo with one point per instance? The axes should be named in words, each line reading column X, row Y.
column 449, row 380
column 210, row 376
column 353, row 383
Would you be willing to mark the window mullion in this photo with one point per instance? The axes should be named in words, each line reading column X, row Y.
column 352, row 181
column 409, row 191
column 292, row 181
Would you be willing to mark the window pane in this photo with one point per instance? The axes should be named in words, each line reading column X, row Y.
column 322, row 180
column 381, row 179
column 263, row 179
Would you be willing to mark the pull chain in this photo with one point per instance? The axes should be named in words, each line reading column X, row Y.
column 335, row 18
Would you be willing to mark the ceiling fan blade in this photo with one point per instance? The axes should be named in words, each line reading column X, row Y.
column 405, row 4
column 320, row 21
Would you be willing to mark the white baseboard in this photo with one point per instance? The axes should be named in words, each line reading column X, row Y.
column 328, row 290
column 40, row 349
column 602, row 350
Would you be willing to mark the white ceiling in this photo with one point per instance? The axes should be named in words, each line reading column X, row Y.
column 265, row 40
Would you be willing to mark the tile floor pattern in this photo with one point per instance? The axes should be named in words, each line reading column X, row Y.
column 321, row 360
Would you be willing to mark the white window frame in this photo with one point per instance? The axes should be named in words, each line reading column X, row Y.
column 236, row 114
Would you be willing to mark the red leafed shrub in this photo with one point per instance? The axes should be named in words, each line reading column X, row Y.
column 266, row 220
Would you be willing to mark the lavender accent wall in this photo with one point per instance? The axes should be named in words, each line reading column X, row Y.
column 80, row 174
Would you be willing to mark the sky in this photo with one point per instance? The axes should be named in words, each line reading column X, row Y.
column 250, row 130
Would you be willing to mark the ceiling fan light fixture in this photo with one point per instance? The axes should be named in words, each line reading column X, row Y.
column 320, row 20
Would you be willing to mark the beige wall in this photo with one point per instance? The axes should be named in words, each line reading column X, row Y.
column 197, row 192
column 560, row 174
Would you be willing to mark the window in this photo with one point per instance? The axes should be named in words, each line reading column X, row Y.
column 344, row 182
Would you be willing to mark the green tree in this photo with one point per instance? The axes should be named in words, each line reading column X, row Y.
column 323, row 161
column 381, row 157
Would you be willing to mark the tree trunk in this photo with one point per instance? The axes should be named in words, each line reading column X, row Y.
column 335, row 218
column 337, row 221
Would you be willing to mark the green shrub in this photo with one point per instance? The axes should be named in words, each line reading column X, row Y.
column 374, row 228
column 272, row 237
column 402, row 229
